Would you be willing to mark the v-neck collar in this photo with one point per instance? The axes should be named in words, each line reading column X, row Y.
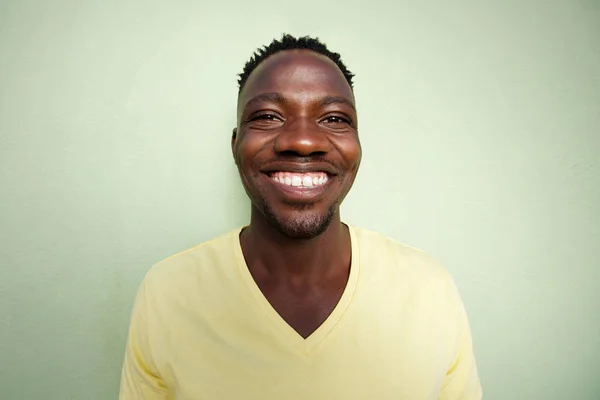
column 293, row 338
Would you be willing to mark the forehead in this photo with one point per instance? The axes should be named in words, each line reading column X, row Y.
column 297, row 73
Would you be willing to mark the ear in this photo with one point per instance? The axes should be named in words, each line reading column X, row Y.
column 233, row 139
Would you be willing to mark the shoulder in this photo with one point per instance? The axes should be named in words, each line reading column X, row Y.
column 385, row 256
column 408, row 272
column 197, row 263
column 376, row 245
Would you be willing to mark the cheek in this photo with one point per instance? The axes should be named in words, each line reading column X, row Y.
column 352, row 152
column 248, row 151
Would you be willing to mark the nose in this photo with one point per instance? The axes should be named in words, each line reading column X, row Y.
column 302, row 137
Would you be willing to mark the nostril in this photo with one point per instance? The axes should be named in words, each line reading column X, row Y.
column 301, row 141
column 296, row 154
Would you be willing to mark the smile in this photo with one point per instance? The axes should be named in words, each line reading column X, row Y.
column 300, row 180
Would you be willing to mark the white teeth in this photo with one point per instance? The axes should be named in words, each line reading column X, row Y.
column 300, row 180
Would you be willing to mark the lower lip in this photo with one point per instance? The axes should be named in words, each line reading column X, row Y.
column 303, row 192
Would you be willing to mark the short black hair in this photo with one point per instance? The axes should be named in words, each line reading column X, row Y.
column 289, row 42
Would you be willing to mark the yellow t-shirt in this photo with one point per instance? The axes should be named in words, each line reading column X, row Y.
column 202, row 329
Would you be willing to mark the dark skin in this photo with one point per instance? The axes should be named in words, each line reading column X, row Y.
column 296, row 115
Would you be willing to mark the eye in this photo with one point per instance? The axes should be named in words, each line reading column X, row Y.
column 336, row 119
column 265, row 117
column 264, row 120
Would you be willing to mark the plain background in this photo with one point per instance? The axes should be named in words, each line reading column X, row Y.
column 480, row 125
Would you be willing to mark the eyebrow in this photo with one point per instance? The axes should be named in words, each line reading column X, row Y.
column 266, row 97
column 328, row 100
column 278, row 98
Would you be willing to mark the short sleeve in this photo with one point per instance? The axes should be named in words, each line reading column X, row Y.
column 462, row 380
column 140, row 379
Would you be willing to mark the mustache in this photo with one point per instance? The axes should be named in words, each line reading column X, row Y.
column 296, row 159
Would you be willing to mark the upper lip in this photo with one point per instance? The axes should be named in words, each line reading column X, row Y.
column 299, row 168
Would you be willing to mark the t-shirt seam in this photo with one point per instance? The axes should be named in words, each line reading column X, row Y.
column 201, row 245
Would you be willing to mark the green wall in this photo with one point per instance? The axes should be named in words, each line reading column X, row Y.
column 481, row 133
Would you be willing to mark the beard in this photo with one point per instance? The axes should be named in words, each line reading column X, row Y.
column 306, row 225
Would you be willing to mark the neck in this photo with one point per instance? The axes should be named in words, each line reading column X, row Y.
column 268, row 251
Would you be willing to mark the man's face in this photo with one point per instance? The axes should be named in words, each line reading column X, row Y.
column 296, row 142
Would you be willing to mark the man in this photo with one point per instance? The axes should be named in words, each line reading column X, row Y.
column 298, row 305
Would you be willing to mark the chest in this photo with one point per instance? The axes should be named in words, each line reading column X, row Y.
column 367, row 354
column 304, row 308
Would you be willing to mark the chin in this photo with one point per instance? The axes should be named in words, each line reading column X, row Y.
column 301, row 224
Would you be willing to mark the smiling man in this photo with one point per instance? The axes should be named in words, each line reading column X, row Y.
column 298, row 305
